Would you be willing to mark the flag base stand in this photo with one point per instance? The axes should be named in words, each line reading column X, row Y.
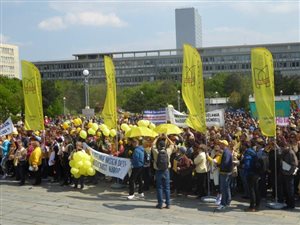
column 275, row 205
column 209, row 199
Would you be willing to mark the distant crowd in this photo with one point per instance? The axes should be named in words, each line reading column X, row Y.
column 226, row 161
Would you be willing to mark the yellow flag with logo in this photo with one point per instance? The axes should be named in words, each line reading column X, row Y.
column 263, row 86
column 32, row 90
column 193, row 88
column 109, row 112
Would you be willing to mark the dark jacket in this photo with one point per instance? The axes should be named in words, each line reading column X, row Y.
column 138, row 157
column 248, row 162
column 226, row 162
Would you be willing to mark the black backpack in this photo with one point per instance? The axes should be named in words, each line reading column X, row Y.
column 162, row 162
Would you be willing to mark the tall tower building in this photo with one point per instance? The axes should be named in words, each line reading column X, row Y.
column 188, row 27
column 9, row 61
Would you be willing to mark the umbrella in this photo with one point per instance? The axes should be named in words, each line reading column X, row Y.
column 168, row 128
column 140, row 131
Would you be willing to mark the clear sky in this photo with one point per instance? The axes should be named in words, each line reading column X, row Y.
column 54, row 30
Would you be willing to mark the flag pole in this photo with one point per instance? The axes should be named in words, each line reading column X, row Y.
column 276, row 204
column 208, row 198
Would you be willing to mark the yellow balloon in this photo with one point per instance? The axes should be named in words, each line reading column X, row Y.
column 74, row 171
column 90, row 124
column 87, row 164
column 91, row 131
column 78, row 129
column 82, row 171
column 99, row 134
column 106, row 132
column 95, row 126
column 65, row 125
column 78, row 164
column 91, row 171
column 124, row 127
column 113, row 132
column 83, row 134
column 152, row 126
column 72, row 163
column 77, row 175
column 103, row 127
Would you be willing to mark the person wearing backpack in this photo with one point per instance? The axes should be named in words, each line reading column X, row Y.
column 263, row 158
column 250, row 161
column 161, row 163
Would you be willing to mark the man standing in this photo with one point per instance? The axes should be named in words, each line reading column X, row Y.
column 161, row 164
column 250, row 159
column 137, row 161
column 225, row 172
column 289, row 169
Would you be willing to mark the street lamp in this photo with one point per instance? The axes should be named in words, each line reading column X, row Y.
column 216, row 96
column 178, row 100
column 281, row 91
column 64, row 98
column 86, row 87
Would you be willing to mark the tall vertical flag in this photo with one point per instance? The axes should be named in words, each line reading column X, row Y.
column 193, row 88
column 109, row 112
column 31, row 79
column 263, row 86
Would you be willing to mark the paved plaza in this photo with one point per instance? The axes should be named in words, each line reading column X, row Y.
column 100, row 204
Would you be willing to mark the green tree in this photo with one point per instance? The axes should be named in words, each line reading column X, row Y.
column 11, row 97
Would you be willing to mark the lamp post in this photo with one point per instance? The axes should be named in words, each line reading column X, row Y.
column 86, row 87
column 64, row 98
column 178, row 100
column 216, row 96
column 281, row 91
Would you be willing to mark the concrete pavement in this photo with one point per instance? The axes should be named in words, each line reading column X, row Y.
column 99, row 204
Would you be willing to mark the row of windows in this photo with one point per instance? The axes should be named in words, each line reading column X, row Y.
column 7, row 51
column 7, row 59
column 7, row 75
column 6, row 68
column 165, row 71
column 173, row 61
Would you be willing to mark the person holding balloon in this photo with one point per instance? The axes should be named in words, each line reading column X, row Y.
column 80, row 179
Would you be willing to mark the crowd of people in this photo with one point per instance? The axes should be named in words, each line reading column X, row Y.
column 226, row 160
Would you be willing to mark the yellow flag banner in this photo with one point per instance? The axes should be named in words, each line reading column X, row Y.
column 193, row 88
column 109, row 112
column 263, row 86
column 31, row 79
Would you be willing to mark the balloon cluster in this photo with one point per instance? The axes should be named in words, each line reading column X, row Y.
column 95, row 129
column 81, row 165
column 141, row 123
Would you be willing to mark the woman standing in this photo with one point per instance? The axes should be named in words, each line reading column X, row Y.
column 20, row 162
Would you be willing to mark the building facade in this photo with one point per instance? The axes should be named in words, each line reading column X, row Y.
column 133, row 68
column 9, row 61
column 188, row 27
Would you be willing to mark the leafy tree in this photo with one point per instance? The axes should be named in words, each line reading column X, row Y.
column 11, row 97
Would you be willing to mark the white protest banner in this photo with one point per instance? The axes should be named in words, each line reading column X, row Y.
column 282, row 121
column 7, row 127
column 110, row 165
column 215, row 118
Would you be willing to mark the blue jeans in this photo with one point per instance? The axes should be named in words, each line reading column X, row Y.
column 225, row 189
column 163, row 185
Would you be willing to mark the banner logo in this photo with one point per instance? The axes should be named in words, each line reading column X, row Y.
column 189, row 78
column 262, row 77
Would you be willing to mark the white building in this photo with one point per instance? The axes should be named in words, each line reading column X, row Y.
column 188, row 27
column 9, row 61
